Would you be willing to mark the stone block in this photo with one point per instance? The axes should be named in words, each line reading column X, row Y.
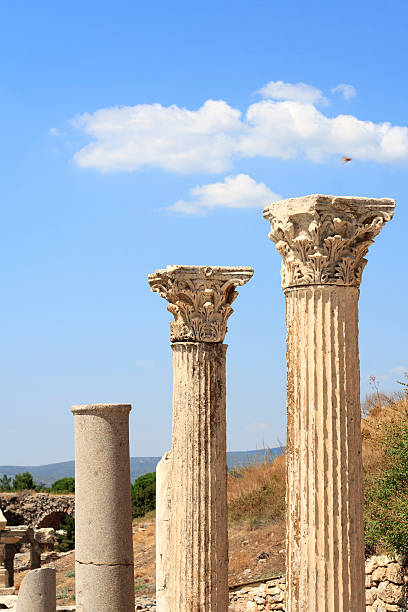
column 391, row 593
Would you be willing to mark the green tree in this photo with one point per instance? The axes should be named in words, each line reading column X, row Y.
column 5, row 483
column 66, row 539
column 386, row 496
column 63, row 485
column 144, row 494
column 23, row 481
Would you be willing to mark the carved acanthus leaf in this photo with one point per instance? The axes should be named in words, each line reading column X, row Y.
column 200, row 299
column 324, row 239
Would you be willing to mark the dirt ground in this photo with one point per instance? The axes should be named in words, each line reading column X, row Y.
column 256, row 552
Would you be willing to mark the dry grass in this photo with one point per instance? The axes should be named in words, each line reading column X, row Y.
column 379, row 411
column 257, row 492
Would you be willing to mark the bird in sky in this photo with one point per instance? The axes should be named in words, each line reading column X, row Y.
column 346, row 160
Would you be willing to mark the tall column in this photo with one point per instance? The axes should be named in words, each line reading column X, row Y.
column 103, row 519
column 200, row 299
column 323, row 241
column 163, row 506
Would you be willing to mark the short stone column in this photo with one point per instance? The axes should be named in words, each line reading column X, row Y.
column 200, row 299
column 38, row 591
column 323, row 241
column 103, row 520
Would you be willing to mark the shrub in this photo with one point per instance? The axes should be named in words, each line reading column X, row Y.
column 23, row 481
column 5, row 483
column 66, row 540
column 63, row 485
column 386, row 495
column 144, row 494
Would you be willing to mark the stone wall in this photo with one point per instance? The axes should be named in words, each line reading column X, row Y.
column 386, row 590
column 36, row 510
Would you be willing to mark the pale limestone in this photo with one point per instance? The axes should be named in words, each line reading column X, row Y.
column 163, row 501
column 200, row 299
column 323, row 241
column 103, row 518
column 198, row 543
column 3, row 522
column 38, row 591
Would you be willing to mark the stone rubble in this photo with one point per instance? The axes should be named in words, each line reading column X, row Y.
column 386, row 583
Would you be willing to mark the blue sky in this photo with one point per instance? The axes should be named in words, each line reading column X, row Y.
column 136, row 135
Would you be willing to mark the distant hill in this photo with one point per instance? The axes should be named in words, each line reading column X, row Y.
column 48, row 474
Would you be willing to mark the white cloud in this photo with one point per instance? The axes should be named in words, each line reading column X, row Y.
column 296, row 92
column 174, row 138
column 348, row 91
column 239, row 191
column 211, row 138
column 55, row 132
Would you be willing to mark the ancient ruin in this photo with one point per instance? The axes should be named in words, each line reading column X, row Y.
column 200, row 299
column 103, row 535
column 37, row 511
column 323, row 241
column 11, row 539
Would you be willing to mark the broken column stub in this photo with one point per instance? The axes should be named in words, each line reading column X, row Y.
column 323, row 241
column 200, row 299
column 38, row 591
column 103, row 518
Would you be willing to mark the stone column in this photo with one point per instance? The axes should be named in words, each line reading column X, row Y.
column 103, row 520
column 200, row 299
column 4, row 575
column 323, row 241
column 38, row 591
column 163, row 505
column 9, row 554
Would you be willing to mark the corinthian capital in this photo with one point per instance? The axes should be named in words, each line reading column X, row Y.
column 200, row 299
column 323, row 240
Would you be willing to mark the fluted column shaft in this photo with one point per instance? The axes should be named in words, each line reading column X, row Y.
column 199, row 542
column 325, row 561
column 323, row 241
column 200, row 299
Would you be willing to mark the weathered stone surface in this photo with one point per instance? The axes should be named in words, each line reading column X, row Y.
column 163, row 509
column 394, row 573
column 200, row 299
column 323, row 241
column 38, row 591
column 199, row 545
column 391, row 593
column 104, row 587
column 3, row 521
column 39, row 510
column 103, row 522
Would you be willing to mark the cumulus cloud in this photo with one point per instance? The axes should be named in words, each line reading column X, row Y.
column 296, row 92
column 211, row 138
column 347, row 91
column 174, row 138
column 239, row 191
